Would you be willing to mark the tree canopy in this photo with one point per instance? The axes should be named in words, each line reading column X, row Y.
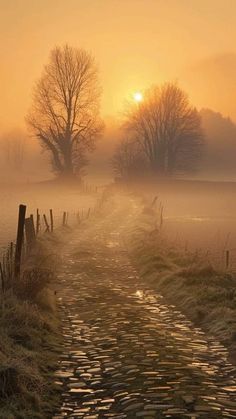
column 167, row 129
column 65, row 110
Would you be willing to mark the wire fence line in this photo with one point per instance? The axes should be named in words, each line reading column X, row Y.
column 222, row 256
column 30, row 228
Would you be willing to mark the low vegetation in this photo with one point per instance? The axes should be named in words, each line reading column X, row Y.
column 30, row 339
column 204, row 293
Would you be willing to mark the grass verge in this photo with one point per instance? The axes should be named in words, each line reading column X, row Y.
column 30, row 339
column 206, row 295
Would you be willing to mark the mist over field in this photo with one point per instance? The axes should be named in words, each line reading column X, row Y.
column 117, row 209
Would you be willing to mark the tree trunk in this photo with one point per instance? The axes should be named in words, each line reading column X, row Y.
column 157, row 162
column 68, row 171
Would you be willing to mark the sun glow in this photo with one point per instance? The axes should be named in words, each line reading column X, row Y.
column 138, row 97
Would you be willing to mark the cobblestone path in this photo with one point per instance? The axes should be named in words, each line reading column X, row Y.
column 127, row 354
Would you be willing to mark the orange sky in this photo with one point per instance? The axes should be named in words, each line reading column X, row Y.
column 136, row 43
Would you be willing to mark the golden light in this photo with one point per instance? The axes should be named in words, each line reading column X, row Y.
column 138, row 97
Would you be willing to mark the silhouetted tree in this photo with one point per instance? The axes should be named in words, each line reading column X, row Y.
column 167, row 128
column 128, row 160
column 65, row 111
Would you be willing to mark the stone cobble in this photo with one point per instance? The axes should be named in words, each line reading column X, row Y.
column 127, row 353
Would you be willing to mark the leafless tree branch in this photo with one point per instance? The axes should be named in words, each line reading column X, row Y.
column 65, row 111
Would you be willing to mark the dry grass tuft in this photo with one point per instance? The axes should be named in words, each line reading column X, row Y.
column 33, row 281
column 30, row 340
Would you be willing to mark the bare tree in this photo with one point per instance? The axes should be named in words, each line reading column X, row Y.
column 128, row 160
column 167, row 128
column 65, row 111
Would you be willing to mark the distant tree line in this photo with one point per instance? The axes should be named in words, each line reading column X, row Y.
column 13, row 149
column 219, row 154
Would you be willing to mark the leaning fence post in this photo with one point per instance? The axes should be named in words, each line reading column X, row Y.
column 46, row 223
column 19, row 239
column 51, row 220
column 154, row 201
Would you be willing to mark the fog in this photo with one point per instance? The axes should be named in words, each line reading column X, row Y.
column 118, row 34
column 118, row 208
column 197, row 213
column 198, row 216
column 43, row 196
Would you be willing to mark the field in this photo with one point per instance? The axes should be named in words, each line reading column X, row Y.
column 184, row 255
column 43, row 196
column 198, row 216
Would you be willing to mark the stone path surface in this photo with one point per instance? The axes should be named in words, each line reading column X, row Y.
column 127, row 354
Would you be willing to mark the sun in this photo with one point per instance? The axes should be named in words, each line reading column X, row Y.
column 138, row 97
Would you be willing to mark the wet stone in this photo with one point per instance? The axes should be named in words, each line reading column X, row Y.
column 80, row 391
column 77, row 385
column 63, row 374
column 127, row 353
column 133, row 406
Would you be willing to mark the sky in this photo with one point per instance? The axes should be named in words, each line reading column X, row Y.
column 136, row 43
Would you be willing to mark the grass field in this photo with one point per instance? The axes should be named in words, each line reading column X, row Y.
column 204, row 293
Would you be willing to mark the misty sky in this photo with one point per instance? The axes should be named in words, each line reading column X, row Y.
column 136, row 43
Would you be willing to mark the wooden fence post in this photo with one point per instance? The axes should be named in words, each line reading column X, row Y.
column 32, row 227
column 46, row 224
column 154, row 201
column 30, row 232
column 161, row 216
column 37, row 222
column 2, row 278
column 19, row 240
column 51, row 220
column 11, row 260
